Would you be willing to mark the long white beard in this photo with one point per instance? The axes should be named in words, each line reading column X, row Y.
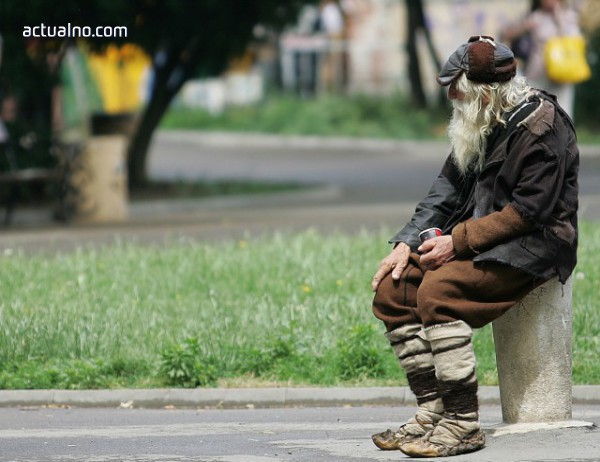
column 467, row 139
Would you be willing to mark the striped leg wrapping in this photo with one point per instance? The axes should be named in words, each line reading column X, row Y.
column 454, row 361
column 414, row 353
column 413, row 350
column 411, row 347
column 424, row 385
column 458, row 431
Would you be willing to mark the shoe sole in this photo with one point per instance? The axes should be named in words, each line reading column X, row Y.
column 474, row 443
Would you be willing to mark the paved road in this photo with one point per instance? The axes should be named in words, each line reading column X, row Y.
column 359, row 184
column 367, row 170
column 259, row 435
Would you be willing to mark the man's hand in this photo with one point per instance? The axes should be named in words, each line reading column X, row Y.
column 395, row 262
column 437, row 251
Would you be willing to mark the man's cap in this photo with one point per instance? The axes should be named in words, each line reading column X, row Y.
column 482, row 59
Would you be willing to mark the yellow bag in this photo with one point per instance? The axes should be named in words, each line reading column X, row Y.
column 566, row 60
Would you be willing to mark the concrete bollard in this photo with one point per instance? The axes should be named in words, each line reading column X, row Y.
column 98, row 181
column 533, row 355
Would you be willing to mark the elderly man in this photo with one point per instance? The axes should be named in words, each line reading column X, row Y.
column 505, row 203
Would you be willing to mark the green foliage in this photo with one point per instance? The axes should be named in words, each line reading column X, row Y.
column 483, row 343
column 586, row 312
column 292, row 308
column 214, row 30
column 72, row 374
column 186, row 365
column 156, row 190
column 260, row 361
column 358, row 115
column 359, row 353
column 184, row 39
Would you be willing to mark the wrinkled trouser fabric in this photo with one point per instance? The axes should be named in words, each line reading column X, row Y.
column 459, row 290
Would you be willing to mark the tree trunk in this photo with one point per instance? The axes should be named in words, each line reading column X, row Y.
column 142, row 136
column 415, row 22
column 443, row 101
column 171, row 71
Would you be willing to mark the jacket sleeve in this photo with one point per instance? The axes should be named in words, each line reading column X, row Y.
column 435, row 209
column 472, row 237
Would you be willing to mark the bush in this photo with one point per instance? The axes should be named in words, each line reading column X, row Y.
column 358, row 354
column 185, row 365
column 71, row 374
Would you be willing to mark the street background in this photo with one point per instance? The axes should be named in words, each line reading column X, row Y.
column 352, row 184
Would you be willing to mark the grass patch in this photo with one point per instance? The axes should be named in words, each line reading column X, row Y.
column 293, row 309
column 328, row 115
column 154, row 190
column 387, row 117
column 587, row 133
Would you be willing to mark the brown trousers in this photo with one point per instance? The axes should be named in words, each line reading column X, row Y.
column 459, row 290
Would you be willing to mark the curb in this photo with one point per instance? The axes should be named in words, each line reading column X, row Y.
column 235, row 398
column 184, row 210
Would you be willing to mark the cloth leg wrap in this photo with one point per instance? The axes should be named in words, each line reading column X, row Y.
column 454, row 361
column 414, row 353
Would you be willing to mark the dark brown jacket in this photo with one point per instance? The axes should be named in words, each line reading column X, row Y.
column 521, row 209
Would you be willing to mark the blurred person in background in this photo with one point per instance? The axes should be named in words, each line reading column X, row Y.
column 547, row 19
column 332, row 24
column 505, row 209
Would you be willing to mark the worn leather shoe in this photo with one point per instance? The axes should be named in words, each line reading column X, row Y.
column 445, row 441
column 392, row 440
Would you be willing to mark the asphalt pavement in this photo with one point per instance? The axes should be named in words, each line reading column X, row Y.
column 310, row 434
column 354, row 185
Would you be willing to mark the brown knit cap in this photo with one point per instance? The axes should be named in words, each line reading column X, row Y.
column 482, row 59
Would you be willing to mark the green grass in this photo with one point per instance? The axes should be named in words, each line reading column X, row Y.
column 586, row 312
column 389, row 117
column 328, row 115
column 156, row 190
column 291, row 309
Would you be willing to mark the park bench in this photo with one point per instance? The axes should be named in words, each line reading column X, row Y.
column 16, row 177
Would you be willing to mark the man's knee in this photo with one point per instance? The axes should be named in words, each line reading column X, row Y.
column 394, row 302
column 385, row 291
